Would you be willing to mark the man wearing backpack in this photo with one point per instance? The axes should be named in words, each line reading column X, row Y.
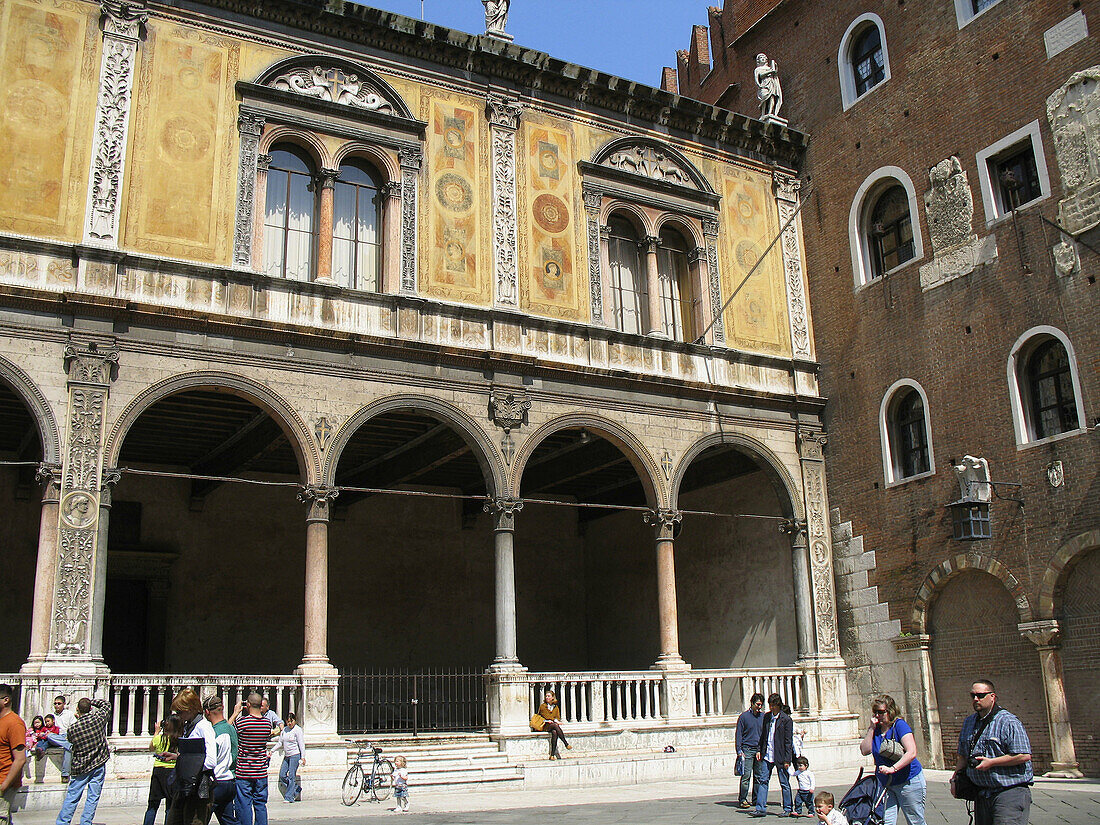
column 995, row 755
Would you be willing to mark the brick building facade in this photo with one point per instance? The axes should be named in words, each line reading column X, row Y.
column 951, row 204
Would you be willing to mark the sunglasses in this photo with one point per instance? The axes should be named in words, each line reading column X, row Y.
column 974, row 695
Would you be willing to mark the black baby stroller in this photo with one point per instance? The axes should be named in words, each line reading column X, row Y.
column 865, row 802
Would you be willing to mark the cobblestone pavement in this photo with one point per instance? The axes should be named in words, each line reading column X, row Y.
column 703, row 802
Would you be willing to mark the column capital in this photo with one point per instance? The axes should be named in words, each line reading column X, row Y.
column 109, row 477
column 650, row 243
column 251, row 124
column 90, row 364
column 504, row 510
column 502, row 111
column 263, row 162
column 410, row 157
column 391, row 189
column 697, row 255
column 593, row 199
column 786, row 186
column 914, row 641
column 326, row 178
column 1044, row 634
column 123, row 19
column 319, row 498
column 795, row 528
column 710, row 228
column 811, row 444
column 663, row 520
column 48, row 475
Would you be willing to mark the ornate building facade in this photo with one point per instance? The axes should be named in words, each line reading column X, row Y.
column 951, row 233
column 338, row 341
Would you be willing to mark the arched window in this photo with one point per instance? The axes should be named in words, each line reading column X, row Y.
column 629, row 295
column 356, row 228
column 1051, row 403
column 908, row 432
column 863, row 58
column 868, row 65
column 674, row 279
column 890, row 231
column 290, row 235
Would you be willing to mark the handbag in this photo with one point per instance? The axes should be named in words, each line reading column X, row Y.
column 537, row 722
column 891, row 750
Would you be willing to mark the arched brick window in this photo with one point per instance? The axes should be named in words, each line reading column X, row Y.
column 863, row 59
column 1045, row 386
column 906, row 433
column 890, row 231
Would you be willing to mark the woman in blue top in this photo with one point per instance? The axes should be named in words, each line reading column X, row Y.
column 904, row 777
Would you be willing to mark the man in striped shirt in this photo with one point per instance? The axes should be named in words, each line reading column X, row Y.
column 253, row 732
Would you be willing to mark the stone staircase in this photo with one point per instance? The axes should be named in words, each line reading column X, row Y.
column 453, row 761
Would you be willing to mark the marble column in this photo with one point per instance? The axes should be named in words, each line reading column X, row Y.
column 504, row 512
column 702, row 312
column 81, row 555
column 49, row 475
column 653, row 286
column 803, row 591
column 391, row 243
column 664, row 522
column 326, row 182
column 315, row 648
column 1046, row 636
column 256, row 255
column 612, row 315
column 110, row 477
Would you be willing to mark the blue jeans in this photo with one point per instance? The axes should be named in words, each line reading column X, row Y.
column 288, row 775
column 748, row 756
column 804, row 798
column 57, row 740
column 763, row 776
column 225, row 802
column 909, row 796
column 252, row 801
column 94, row 783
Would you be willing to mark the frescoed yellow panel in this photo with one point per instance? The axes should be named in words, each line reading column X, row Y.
column 184, row 163
column 454, row 267
column 553, row 282
column 756, row 319
column 50, row 64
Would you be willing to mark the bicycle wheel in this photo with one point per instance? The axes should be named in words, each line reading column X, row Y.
column 353, row 785
column 382, row 780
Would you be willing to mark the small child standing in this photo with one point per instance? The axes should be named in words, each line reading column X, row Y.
column 823, row 804
column 401, row 784
column 806, row 786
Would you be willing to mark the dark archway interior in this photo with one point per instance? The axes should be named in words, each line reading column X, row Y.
column 223, row 560
column 22, row 501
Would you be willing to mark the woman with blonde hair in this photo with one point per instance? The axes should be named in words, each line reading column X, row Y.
column 549, row 719
column 198, row 754
column 890, row 741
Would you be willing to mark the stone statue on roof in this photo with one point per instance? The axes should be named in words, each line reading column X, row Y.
column 496, row 16
column 769, row 91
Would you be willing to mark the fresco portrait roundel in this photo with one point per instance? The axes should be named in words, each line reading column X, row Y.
column 551, row 213
column 454, row 193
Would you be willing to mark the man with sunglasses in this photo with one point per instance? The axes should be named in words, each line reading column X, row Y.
column 996, row 754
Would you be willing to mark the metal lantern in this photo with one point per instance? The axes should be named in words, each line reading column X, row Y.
column 970, row 520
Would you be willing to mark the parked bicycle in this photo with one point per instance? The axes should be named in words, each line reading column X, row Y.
column 369, row 772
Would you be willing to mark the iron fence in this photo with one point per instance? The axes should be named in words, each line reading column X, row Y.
column 405, row 701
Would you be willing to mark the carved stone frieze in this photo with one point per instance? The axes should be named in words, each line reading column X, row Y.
column 786, row 195
column 83, row 483
column 121, row 29
column 504, row 117
column 250, row 126
column 649, row 162
column 334, row 85
column 1074, row 115
column 411, row 159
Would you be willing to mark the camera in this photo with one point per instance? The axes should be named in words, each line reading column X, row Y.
column 974, row 761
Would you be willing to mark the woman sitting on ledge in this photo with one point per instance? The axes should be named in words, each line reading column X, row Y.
column 549, row 718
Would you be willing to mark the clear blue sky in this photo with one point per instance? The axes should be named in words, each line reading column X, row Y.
column 628, row 38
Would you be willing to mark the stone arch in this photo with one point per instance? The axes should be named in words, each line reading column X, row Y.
column 304, row 139
column 632, row 447
column 634, row 213
column 787, row 491
column 39, row 408
column 485, row 451
column 947, row 570
column 678, row 159
column 1057, row 572
column 367, row 77
column 690, row 229
column 291, row 423
column 382, row 161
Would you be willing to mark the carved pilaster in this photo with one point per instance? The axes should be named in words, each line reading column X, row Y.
column 714, row 284
column 123, row 25
column 820, row 546
column 319, row 499
column 786, row 196
column 592, row 202
column 411, row 158
column 250, row 126
column 76, row 583
column 504, row 115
